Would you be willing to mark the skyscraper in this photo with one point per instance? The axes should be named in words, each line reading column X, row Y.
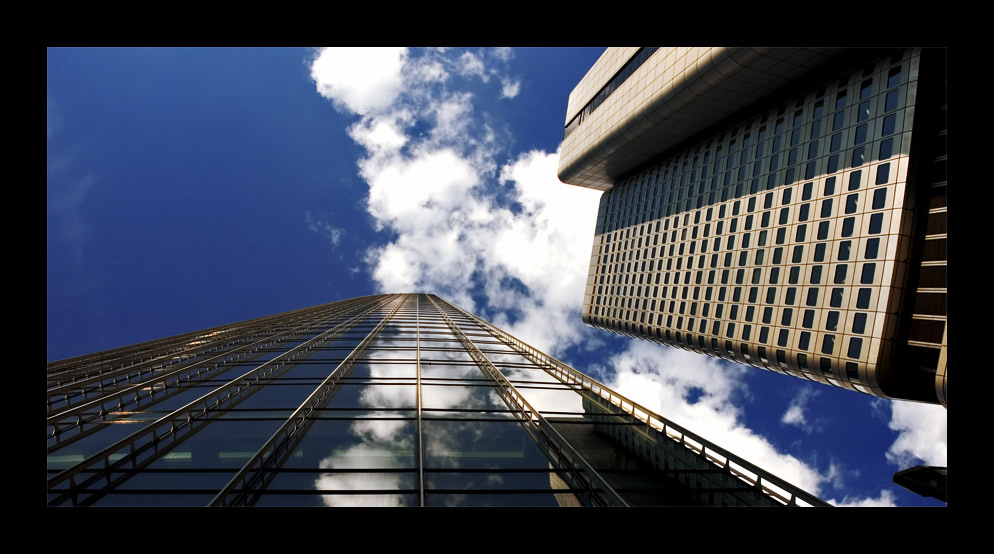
column 783, row 208
column 389, row 400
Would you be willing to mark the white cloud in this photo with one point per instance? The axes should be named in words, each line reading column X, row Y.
column 434, row 180
column 835, row 476
column 322, row 227
column 922, row 438
column 797, row 411
column 362, row 80
column 380, row 136
column 471, row 64
column 509, row 88
column 794, row 416
column 427, row 70
column 504, row 53
column 885, row 500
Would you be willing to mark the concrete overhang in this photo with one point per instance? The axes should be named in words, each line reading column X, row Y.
column 710, row 89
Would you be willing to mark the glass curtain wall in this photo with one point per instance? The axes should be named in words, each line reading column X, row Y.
column 390, row 400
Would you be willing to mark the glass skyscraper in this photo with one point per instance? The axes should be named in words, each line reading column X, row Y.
column 389, row 400
column 782, row 208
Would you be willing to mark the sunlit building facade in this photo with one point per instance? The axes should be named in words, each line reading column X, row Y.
column 783, row 208
column 389, row 400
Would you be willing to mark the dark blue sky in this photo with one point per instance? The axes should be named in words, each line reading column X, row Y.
column 189, row 188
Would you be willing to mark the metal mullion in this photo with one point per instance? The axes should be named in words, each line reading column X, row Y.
column 183, row 380
column 233, row 334
column 134, row 370
column 704, row 449
column 72, row 409
column 171, row 429
column 419, row 435
column 260, row 469
column 161, row 348
column 557, row 449
column 144, row 351
column 101, row 358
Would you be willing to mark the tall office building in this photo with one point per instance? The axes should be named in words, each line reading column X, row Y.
column 390, row 400
column 783, row 208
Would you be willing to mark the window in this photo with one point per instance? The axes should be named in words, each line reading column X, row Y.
column 859, row 323
column 857, row 156
column 832, row 322
column 855, row 345
column 847, row 226
column 860, row 135
column 826, row 207
column 840, row 274
column 845, row 248
column 823, row 230
column 865, row 89
column 867, row 276
column 876, row 223
column 890, row 101
column 785, row 318
column 809, row 319
column 833, row 163
column 863, row 112
column 798, row 254
column 836, row 300
column 851, row 203
column 852, row 371
column 871, row 249
column 889, row 124
column 894, row 77
column 828, row 344
column 829, row 186
column 820, row 252
column 835, row 143
column 812, row 299
column 863, row 299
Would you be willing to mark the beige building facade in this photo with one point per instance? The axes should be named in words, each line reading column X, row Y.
column 783, row 208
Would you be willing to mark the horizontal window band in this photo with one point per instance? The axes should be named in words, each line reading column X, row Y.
column 924, row 344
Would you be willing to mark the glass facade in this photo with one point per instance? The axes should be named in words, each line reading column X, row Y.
column 390, row 400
